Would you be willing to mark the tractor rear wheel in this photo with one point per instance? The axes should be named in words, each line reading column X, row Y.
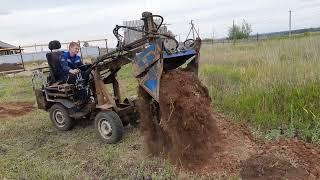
column 60, row 118
column 109, row 127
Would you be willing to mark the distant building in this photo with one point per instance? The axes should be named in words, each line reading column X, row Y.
column 7, row 49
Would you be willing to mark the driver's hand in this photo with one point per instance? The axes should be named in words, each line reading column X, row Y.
column 74, row 71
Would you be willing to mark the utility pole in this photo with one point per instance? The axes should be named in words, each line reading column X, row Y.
column 290, row 23
column 212, row 35
column 234, row 40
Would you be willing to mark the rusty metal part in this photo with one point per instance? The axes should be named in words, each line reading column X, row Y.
column 104, row 99
column 40, row 98
column 193, row 66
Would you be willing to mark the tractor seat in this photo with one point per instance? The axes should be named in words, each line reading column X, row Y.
column 53, row 59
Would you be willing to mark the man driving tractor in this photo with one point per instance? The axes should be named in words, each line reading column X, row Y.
column 72, row 69
column 70, row 63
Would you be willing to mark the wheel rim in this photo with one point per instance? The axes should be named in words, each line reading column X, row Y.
column 105, row 128
column 59, row 118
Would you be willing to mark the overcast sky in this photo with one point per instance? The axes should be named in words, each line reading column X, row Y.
column 39, row 21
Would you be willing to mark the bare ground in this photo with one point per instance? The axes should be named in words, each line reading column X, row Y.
column 15, row 109
column 9, row 66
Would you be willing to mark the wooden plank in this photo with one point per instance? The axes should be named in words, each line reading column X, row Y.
column 11, row 71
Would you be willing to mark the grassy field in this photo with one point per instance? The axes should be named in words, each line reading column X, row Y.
column 273, row 85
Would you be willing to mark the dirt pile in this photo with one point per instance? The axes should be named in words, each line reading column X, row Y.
column 240, row 153
column 186, row 132
column 9, row 67
column 15, row 109
column 234, row 146
column 270, row 167
column 301, row 154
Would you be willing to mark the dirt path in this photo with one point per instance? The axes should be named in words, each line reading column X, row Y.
column 197, row 139
column 9, row 66
column 14, row 109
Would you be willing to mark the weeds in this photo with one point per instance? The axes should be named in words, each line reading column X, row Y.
column 273, row 84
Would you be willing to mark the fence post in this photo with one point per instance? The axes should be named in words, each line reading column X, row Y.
column 21, row 58
column 80, row 51
column 107, row 46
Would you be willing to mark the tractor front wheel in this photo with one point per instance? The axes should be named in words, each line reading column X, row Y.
column 60, row 117
column 109, row 127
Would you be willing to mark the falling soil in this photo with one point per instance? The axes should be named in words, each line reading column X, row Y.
column 9, row 66
column 195, row 138
column 15, row 109
column 186, row 131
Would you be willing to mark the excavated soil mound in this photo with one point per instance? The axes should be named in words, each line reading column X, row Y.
column 301, row 154
column 9, row 66
column 186, row 131
column 240, row 152
column 234, row 146
column 15, row 109
column 270, row 167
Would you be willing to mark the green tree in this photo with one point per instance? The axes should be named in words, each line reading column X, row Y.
column 240, row 31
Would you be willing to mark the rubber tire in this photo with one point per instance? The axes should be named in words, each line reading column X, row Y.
column 115, row 123
column 69, row 122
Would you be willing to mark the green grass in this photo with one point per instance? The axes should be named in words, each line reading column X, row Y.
column 273, row 85
column 15, row 89
column 31, row 149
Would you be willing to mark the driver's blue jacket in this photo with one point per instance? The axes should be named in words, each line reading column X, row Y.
column 67, row 62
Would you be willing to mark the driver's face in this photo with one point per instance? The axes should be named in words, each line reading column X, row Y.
column 74, row 50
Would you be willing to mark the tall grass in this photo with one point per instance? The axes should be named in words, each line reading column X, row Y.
column 274, row 85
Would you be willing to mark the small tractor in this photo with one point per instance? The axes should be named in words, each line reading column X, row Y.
column 151, row 56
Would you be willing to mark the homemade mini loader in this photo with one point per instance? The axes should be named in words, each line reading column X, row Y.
column 155, row 53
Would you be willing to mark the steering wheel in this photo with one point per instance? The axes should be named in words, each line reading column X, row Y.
column 84, row 67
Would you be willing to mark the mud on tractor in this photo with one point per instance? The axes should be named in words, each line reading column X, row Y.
column 151, row 56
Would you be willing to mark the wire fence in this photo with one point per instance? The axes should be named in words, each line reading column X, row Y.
column 37, row 52
column 86, row 52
